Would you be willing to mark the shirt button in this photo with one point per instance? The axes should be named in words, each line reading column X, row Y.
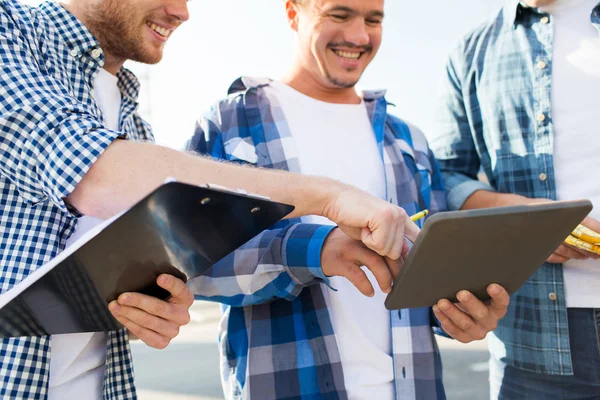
column 74, row 53
column 541, row 65
column 552, row 296
column 96, row 53
column 545, row 20
column 543, row 177
column 541, row 117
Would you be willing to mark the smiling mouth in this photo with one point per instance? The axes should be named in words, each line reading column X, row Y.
column 349, row 55
column 164, row 32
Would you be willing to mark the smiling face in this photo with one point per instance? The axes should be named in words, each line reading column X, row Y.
column 134, row 29
column 337, row 38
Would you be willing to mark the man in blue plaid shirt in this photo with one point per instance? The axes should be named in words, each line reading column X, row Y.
column 519, row 101
column 286, row 333
column 65, row 100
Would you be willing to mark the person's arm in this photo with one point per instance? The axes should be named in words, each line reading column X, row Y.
column 564, row 252
column 452, row 138
column 278, row 263
column 48, row 140
column 125, row 172
column 459, row 159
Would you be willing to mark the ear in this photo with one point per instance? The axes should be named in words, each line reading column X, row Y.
column 291, row 11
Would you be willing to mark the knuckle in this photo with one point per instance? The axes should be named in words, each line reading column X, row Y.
column 174, row 332
column 148, row 321
column 401, row 213
column 466, row 325
column 390, row 212
column 159, row 308
column 190, row 300
column 483, row 314
column 135, row 329
column 494, row 325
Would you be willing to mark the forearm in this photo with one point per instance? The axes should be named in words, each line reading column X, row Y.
column 487, row 199
column 127, row 171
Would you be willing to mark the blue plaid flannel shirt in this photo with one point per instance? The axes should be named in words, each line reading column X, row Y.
column 51, row 132
column 276, row 338
column 495, row 91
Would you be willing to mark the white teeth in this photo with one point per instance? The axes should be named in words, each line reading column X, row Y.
column 158, row 29
column 347, row 54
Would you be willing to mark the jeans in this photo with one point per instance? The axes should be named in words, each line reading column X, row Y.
column 508, row 383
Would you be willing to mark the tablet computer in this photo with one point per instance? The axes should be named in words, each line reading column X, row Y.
column 471, row 249
column 177, row 229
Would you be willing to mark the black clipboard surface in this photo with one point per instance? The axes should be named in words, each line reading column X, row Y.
column 178, row 229
column 471, row 249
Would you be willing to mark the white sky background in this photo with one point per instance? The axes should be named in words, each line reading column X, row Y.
column 225, row 39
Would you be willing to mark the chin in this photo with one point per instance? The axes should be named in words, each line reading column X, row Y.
column 147, row 57
column 343, row 80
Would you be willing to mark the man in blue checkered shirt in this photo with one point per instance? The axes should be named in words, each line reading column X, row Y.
column 285, row 333
column 65, row 100
column 519, row 100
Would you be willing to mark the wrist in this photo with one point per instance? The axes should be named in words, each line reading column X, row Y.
column 321, row 196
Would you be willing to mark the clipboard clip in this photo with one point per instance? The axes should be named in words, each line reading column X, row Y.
column 238, row 191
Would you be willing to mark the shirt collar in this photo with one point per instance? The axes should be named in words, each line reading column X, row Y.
column 76, row 36
column 245, row 83
column 515, row 11
column 80, row 41
column 128, row 84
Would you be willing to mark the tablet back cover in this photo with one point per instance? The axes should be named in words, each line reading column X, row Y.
column 474, row 248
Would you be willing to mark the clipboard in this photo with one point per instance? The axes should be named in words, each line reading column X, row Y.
column 178, row 229
column 471, row 249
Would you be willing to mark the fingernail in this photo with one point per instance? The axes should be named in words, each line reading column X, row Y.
column 125, row 299
column 445, row 305
column 463, row 296
column 494, row 289
column 114, row 306
column 436, row 309
column 163, row 280
column 387, row 290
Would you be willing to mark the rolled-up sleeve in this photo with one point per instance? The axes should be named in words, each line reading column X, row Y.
column 48, row 139
column 452, row 137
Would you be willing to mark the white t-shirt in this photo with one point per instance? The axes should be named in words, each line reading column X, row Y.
column 337, row 141
column 575, row 110
column 77, row 361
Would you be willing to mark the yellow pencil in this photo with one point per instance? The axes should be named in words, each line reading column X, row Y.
column 419, row 215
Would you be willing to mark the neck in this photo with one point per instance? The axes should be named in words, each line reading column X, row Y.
column 111, row 63
column 306, row 84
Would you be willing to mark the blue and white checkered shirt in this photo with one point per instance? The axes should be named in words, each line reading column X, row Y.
column 495, row 113
column 51, row 132
column 276, row 336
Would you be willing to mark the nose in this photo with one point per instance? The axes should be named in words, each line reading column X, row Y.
column 178, row 9
column 357, row 33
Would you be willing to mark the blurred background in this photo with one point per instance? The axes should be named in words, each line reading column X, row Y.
column 225, row 39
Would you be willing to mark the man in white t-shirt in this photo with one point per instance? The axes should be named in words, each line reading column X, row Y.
column 519, row 101
column 66, row 107
column 285, row 333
